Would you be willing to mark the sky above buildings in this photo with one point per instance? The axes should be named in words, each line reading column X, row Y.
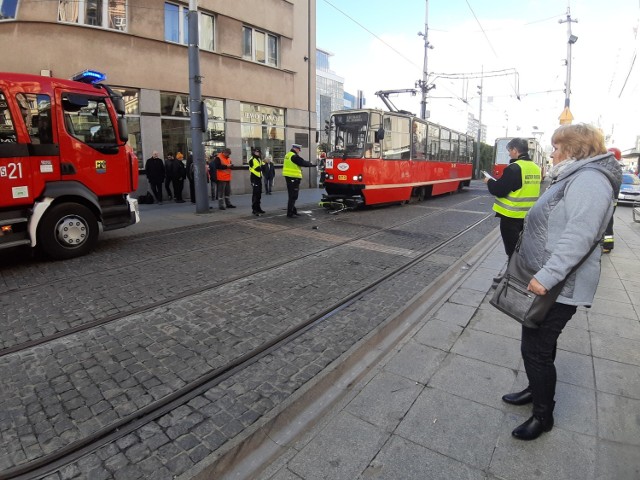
column 376, row 46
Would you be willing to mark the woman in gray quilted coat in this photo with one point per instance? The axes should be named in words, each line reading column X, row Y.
column 560, row 230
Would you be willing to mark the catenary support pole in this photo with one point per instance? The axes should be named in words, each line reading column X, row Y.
column 197, row 115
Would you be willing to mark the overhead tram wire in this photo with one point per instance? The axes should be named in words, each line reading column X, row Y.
column 370, row 32
column 482, row 28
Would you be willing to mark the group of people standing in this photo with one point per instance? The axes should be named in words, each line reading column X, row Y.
column 172, row 173
column 169, row 173
column 555, row 233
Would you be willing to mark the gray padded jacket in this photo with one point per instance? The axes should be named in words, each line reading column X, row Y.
column 566, row 221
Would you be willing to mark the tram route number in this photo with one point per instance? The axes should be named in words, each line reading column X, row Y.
column 12, row 170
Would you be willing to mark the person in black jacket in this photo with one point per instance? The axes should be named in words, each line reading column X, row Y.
column 269, row 174
column 179, row 174
column 154, row 167
column 213, row 177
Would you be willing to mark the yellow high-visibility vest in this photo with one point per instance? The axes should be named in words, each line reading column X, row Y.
column 290, row 169
column 517, row 204
column 255, row 166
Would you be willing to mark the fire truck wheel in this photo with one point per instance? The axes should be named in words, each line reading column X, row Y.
column 67, row 230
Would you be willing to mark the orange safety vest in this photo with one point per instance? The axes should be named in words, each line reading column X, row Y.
column 224, row 175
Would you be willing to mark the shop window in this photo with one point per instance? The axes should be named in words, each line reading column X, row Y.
column 263, row 126
column 131, row 97
column 8, row 9
column 176, row 26
column 259, row 46
column 110, row 14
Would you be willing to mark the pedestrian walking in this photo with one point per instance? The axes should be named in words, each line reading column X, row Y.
column 256, row 169
column 269, row 175
column 516, row 191
column 292, row 172
column 607, row 242
column 154, row 168
column 559, row 234
column 223, row 173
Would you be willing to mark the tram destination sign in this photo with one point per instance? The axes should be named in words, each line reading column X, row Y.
column 348, row 118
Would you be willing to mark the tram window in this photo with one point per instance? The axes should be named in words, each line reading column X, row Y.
column 7, row 128
column 36, row 112
column 397, row 139
column 455, row 147
column 419, row 141
column 445, row 145
column 349, row 134
column 433, row 142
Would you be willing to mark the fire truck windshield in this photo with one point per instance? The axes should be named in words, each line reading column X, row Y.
column 348, row 134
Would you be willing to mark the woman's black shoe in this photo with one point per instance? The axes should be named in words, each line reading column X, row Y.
column 533, row 428
column 518, row 398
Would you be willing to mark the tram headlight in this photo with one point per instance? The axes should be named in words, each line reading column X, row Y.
column 357, row 178
column 330, row 176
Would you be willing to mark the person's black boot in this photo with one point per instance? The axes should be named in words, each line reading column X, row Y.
column 518, row 398
column 533, row 428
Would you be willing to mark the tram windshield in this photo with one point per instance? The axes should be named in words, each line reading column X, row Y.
column 348, row 134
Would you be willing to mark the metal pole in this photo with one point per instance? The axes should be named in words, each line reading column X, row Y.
column 477, row 169
column 570, row 41
column 425, row 89
column 195, row 108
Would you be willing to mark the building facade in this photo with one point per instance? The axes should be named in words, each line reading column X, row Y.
column 329, row 92
column 257, row 62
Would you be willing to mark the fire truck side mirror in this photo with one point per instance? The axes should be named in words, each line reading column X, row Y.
column 379, row 135
column 118, row 104
column 123, row 130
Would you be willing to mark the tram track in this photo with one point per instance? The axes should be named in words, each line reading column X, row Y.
column 133, row 421
column 212, row 286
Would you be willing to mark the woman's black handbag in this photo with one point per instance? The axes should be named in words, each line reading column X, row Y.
column 513, row 298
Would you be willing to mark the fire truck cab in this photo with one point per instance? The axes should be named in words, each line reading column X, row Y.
column 66, row 170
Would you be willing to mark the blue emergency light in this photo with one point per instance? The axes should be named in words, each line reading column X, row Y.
column 89, row 76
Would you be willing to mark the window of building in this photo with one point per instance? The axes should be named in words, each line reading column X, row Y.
column 8, row 9
column 263, row 126
column 96, row 13
column 259, row 46
column 176, row 126
column 176, row 26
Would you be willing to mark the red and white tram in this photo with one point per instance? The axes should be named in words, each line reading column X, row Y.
column 380, row 157
column 501, row 157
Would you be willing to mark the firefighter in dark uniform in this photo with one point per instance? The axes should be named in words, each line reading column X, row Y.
column 256, row 169
column 292, row 172
column 516, row 192
column 607, row 242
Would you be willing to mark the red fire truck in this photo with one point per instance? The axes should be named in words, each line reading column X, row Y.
column 66, row 170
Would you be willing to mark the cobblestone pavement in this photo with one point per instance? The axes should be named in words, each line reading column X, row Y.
column 61, row 391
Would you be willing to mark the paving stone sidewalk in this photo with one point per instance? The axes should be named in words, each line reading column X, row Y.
column 432, row 409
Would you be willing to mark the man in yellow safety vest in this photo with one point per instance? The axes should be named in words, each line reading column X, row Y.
column 516, row 191
column 292, row 172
